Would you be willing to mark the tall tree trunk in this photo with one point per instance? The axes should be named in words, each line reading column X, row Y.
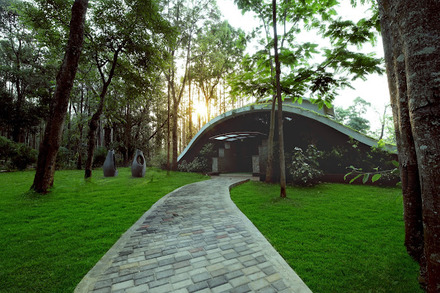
column 280, row 104
column 54, row 128
column 407, row 157
column 270, row 142
column 93, row 126
column 174, row 135
column 168, row 128
column 94, row 122
column 17, row 128
column 177, row 97
column 190, row 122
column 269, row 164
column 80, row 130
column 412, row 38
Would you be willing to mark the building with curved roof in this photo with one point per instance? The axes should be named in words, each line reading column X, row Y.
column 240, row 137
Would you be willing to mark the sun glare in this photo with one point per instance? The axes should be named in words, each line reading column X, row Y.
column 199, row 110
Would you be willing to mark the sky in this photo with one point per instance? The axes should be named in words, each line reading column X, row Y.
column 373, row 90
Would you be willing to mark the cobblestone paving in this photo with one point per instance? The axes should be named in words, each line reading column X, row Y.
column 193, row 240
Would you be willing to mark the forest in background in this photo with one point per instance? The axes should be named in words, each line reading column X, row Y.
column 153, row 65
column 151, row 72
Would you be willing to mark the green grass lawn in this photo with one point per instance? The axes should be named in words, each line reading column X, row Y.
column 49, row 242
column 337, row 237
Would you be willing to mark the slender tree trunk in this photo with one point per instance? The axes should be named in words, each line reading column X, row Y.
column 412, row 38
column 177, row 97
column 93, row 126
column 94, row 122
column 174, row 135
column 269, row 164
column 80, row 130
column 280, row 104
column 190, row 122
column 17, row 131
column 168, row 129
column 17, row 128
column 54, row 128
column 270, row 142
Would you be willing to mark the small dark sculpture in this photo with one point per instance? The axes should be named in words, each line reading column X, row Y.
column 138, row 167
column 109, row 166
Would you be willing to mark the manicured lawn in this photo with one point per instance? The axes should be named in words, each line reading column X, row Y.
column 49, row 242
column 338, row 238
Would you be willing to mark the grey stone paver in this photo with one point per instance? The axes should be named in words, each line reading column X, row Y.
column 193, row 240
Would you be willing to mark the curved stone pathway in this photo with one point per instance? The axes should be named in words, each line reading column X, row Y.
column 193, row 240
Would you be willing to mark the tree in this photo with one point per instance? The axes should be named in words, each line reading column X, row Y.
column 280, row 103
column 45, row 171
column 386, row 131
column 188, row 19
column 217, row 51
column 24, row 76
column 118, row 30
column 352, row 116
column 411, row 38
column 300, row 76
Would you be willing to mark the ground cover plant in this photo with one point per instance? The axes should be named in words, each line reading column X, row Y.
column 49, row 242
column 337, row 237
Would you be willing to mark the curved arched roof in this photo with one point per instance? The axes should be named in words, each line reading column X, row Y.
column 287, row 108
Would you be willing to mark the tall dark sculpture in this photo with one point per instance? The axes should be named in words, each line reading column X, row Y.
column 109, row 166
column 138, row 167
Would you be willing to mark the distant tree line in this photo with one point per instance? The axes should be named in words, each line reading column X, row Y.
column 131, row 90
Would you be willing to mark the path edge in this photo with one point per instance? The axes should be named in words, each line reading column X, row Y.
column 288, row 273
column 88, row 282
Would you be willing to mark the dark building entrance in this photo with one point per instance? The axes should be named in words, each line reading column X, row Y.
column 237, row 152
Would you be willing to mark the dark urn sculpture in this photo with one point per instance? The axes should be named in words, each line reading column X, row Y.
column 138, row 167
column 109, row 166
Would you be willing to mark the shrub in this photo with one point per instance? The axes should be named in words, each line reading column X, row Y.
column 158, row 160
column 65, row 159
column 200, row 164
column 99, row 157
column 304, row 167
column 18, row 155
column 6, row 148
column 208, row 151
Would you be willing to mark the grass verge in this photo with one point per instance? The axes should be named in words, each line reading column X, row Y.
column 337, row 237
column 49, row 242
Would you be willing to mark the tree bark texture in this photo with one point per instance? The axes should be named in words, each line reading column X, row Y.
column 280, row 104
column 407, row 156
column 411, row 33
column 269, row 164
column 50, row 144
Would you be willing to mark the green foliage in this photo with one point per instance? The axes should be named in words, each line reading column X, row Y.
column 304, row 166
column 70, row 229
column 65, row 159
column 198, row 165
column 387, row 172
column 352, row 116
column 6, row 148
column 159, row 160
column 23, row 156
column 218, row 49
column 25, row 75
column 300, row 75
column 201, row 163
column 99, row 157
column 337, row 237
column 208, row 151
column 16, row 155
